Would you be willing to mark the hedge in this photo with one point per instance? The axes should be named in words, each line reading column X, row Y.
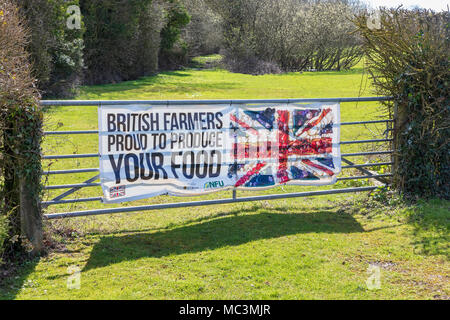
column 20, row 135
column 408, row 58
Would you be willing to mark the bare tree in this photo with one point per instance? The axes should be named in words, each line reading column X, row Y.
column 204, row 34
column 290, row 35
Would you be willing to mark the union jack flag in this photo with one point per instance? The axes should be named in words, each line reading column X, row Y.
column 292, row 144
column 116, row 192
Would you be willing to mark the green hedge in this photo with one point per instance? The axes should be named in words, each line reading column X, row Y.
column 127, row 39
column 56, row 51
column 119, row 40
column 409, row 59
column 122, row 39
column 20, row 131
column 173, row 52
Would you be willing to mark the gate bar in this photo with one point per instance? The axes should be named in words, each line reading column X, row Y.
column 97, row 132
column 73, row 103
column 365, row 141
column 74, row 189
column 85, row 185
column 372, row 164
column 75, row 185
column 53, row 202
column 71, row 171
column 68, row 201
column 204, row 203
column 370, row 153
column 365, row 171
column 96, row 155
column 71, row 132
column 71, row 156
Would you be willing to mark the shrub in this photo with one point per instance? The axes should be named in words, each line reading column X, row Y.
column 173, row 53
column 329, row 31
column 122, row 39
column 408, row 59
column 20, row 132
column 125, row 40
column 290, row 34
column 151, row 21
column 175, row 58
column 248, row 63
column 56, row 51
column 203, row 34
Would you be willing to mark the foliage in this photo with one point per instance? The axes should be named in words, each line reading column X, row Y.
column 119, row 36
column 265, row 36
column 129, row 39
column 56, row 51
column 203, row 34
column 177, row 17
column 173, row 53
column 211, row 61
column 20, row 123
column 151, row 21
column 333, row 45
column 408, row 59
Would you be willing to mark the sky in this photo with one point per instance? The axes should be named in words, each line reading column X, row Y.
column 436, row 5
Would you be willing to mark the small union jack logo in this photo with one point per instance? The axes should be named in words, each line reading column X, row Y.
column 116, row 192
column 277, row 146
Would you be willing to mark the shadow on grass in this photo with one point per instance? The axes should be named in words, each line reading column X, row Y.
column 14, row 278
column 431, row 222
column 164, row 81
column 217, row 233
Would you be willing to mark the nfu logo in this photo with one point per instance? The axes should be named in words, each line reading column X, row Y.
column 214, row 184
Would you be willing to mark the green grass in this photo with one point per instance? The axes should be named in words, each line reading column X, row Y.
column 293, row 249
column 307, row 248
column 221, row 84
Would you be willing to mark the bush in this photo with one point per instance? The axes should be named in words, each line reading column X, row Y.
column 119, row 34
column 408, row 59
column 175, row 58
column 248, row 64
column 151, row 22
column 56, row 51
column 332, row 43
column 290, row 35
column 203, row 34
column 125, row 40
column 20, row 132
column 173, row 53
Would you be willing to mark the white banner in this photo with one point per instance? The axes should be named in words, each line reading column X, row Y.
column 147, row 150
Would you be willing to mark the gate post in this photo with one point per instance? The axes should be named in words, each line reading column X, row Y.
column 30, row 216
column 400, row 119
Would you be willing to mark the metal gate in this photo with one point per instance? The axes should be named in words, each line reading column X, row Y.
column 363, row 172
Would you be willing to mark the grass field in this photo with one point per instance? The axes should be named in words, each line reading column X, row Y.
column 307, row 248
